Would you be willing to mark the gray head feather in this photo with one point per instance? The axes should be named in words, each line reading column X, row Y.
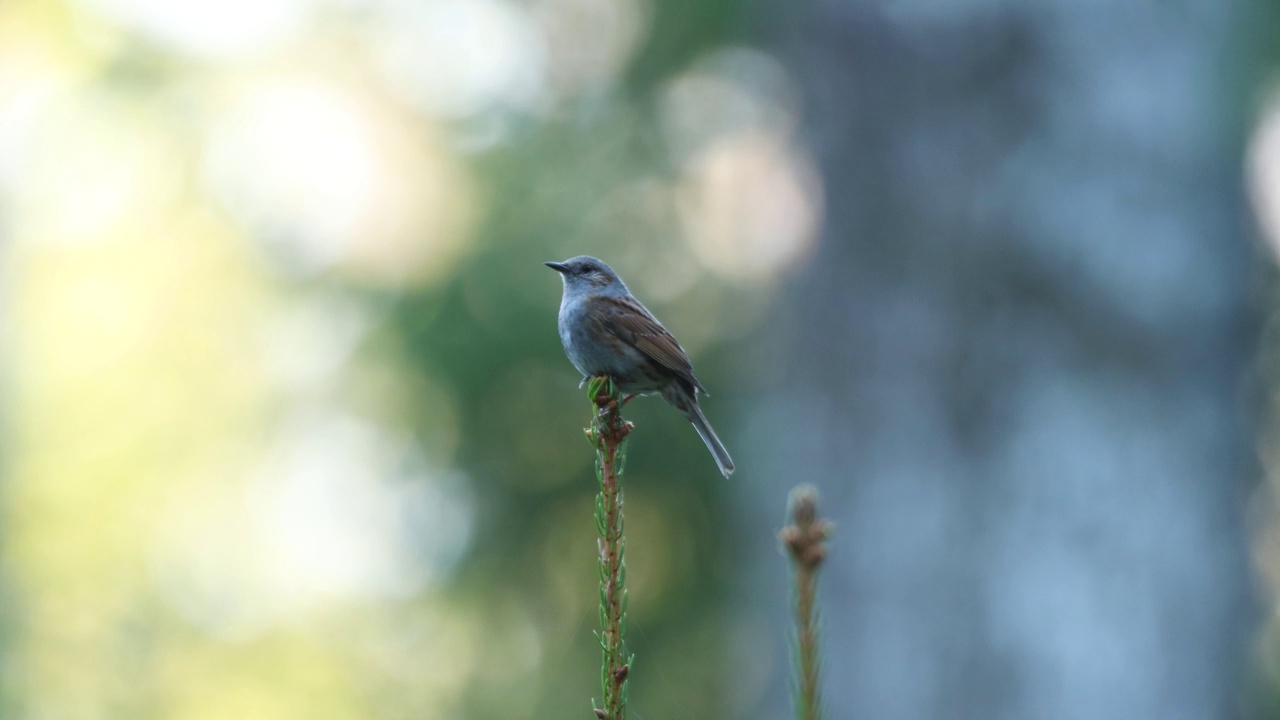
column 585, row 275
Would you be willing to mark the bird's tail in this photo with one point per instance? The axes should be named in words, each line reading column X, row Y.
column 694, row 413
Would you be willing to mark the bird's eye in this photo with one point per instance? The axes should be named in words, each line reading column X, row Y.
column 588, row 268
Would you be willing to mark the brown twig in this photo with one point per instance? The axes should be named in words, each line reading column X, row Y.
column 607, row 434
column 805, row 542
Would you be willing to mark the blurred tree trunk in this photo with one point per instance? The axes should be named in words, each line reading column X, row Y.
column 1022, row 351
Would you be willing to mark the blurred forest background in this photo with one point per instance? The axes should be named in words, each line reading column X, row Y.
column 287, row 430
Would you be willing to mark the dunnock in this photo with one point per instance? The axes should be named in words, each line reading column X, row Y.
column 605, row 331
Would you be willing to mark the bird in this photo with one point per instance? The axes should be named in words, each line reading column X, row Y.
column 606, row 331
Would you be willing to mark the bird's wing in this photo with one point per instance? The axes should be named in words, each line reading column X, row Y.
column 630, row 322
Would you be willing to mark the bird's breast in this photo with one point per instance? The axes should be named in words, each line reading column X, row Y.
column 593, row 350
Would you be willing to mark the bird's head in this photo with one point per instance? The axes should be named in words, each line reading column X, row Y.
column 587, row 274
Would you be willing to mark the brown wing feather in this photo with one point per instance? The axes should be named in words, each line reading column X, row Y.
column 630, row 322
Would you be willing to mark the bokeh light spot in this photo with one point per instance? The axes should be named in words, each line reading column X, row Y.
column 750, row 206
column 1263, row 165
column 459, row 58
column 296, row 161
column 224, row 28
column 589, row 42
column 325, row 180
column 336, row 513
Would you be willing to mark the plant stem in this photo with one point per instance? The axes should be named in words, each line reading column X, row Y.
column 805, row 542
column 607, row 433
column 807, row 643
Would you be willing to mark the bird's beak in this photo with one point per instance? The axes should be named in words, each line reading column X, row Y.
column 558, row 267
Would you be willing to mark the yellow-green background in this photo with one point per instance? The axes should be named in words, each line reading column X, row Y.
column 289, row 431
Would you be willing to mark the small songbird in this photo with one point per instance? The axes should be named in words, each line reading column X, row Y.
column 605, row 331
